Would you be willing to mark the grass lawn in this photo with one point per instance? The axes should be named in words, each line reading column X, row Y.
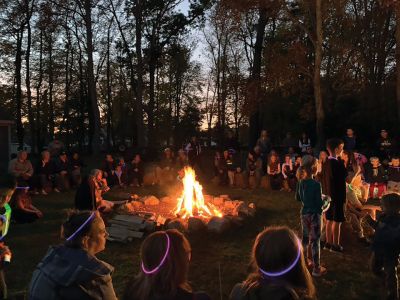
column 348, row 275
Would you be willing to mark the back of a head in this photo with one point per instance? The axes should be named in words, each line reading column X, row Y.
column 277, row 256
column 7, row 187
column 332, row 144
column 78, row 225
column 165, row 259
column 391, row 203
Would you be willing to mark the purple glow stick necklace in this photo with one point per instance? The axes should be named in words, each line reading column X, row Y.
column 91, row 217
column 149, row 272
column 288, row 269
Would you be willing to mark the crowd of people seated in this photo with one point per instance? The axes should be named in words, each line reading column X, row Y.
column 340, row 184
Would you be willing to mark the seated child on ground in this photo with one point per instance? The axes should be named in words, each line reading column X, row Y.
column 278, row 271
column 274, row 172
column 357, row 210
column 136, row 171
column 22, row 209
column 253, row 168
column 376, row 177
column 289, row 174
column 386, row 244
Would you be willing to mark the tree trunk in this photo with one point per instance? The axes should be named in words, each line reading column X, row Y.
column 51, row 84
column 95, row 138
column 31, row 118
column 254, row 88
column 397, row 34
column 109, row 95
column 67, row 88
column 151, row 104
column 38, row 94
column 139, row 70
column 319, row 108
column 18, row 91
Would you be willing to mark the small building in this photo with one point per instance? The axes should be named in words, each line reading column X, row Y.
column 5, row 143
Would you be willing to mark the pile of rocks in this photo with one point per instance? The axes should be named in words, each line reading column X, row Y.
column 149, row 213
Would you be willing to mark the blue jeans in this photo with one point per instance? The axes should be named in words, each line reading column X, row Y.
column 311, row 224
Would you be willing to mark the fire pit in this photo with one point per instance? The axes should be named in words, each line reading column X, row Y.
column 190, row 211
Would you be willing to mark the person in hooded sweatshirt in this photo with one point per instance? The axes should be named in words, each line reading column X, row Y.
column 71, row 270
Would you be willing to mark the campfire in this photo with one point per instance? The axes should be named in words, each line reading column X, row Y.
column 191, row 203
column 187, row 210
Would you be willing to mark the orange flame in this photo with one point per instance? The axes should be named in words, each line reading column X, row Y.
column 191, row 202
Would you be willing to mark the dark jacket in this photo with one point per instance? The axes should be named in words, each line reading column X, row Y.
column 375, row 175
column 393, row 174
column 308, row 192
column 70, row 273
column 263, row 292
column 386, row 240
column 333, row 180
column 44, row 168
column 180, row 295
column 60, row 165
column 85, row 197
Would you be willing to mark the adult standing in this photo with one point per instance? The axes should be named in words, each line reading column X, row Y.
column 350, row 140
column 193, row 149
column 386, row 146
column 72, row 270
column 304, row 143
column 265, row 146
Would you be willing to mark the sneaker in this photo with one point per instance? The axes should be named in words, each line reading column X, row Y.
column 44, row 192
column 57, row 190
column 337, row 248
column 319, row 272
column 327, row 246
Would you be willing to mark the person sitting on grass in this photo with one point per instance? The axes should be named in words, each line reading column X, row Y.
column 253, row 168
column 120, row 178
column 22, row 209
column 76, row 168
column 386, row 245
column 108, row 168
column 21, row 168
column 44, row 173
column 165, row 169
column 375, row 176
column 62, row 173
column 72, row 270
column 89, row 195
column 357, row 210
column 136, row 171
column 164, row 268
column 274, row 172
column 308, row 192
column 279, row 269
column 222, row 167
column 289, row 174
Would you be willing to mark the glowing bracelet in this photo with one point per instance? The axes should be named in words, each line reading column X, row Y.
column 149, row 272
column 91, row 217
column 288, row 269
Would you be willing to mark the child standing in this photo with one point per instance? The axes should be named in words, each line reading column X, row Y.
column 308, row 192
column 334, row 176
